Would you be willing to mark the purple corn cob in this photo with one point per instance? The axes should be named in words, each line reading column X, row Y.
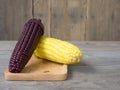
column 26, row 44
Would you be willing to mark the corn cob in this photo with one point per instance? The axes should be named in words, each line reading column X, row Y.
column 58, row 51
column 26, row 44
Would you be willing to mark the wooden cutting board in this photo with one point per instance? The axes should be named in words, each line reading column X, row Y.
column 39, row 69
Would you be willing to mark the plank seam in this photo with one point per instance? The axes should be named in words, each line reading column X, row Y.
column 86, row 18
column 49, row 6
column 50, row 12
column 32, row 8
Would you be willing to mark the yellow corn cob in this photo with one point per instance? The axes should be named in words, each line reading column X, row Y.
column 58, row 51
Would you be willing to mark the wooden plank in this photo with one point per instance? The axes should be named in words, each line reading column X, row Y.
column 2, row 17
column 34, row 71
column 103, row 19
column 41, row 9
column 13, row 15
column 68, row 19
column 7, row 45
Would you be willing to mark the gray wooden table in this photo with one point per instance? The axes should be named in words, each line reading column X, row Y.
column 99, row 69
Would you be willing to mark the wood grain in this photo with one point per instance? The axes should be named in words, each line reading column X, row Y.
column 41, row 9
column 68, row 19
column 99, row 69
column 13, row 15
column 75, row 20
column 39, row 69
column 103, row 20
